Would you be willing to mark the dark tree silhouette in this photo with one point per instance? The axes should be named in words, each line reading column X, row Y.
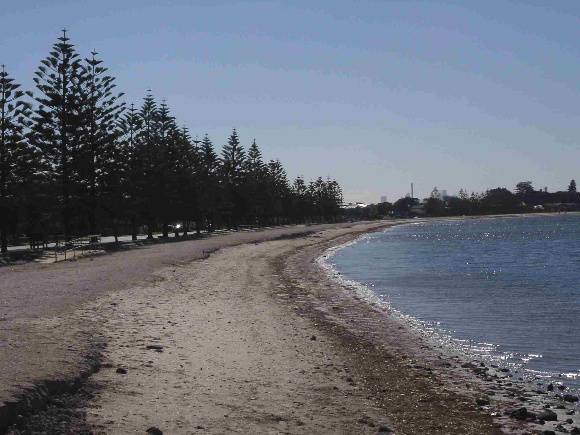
column 255, row 194
column 166, row 183
column 524, row 188
column 301, row 209
column 209, row 187
column 500, row 200
column 79, row 163
column 17, row 158
column 402, row 207
column 56, row 127
column 185, row 178
column 278, row 191
column 130, row 126
column 99, row 144
column 326, row 197
column 146, row 155
column 232, row 168
column 434, row 205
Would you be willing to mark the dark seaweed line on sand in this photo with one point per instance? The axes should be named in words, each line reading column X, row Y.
column 367, row 356
column 24, row 413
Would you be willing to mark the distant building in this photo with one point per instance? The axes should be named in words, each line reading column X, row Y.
column 383, row 198
column 352, row 205
column 443, row 193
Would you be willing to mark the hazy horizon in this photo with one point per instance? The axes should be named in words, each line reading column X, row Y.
column 377, row 95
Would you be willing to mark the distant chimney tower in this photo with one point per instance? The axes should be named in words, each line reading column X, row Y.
column 412, row 194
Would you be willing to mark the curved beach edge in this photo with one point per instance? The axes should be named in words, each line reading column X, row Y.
column 515, row 405
column 256, row 337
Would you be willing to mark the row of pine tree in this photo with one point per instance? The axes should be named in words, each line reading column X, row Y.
column 76, row 160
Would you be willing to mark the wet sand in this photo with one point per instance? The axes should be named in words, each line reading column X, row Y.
column 256, row 338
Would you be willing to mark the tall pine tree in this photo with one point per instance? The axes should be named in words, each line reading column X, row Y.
column 146, row 155
column 99, row 167
column 130, row 127
column 233, row 162
column 165, row 192
column 16, row 156
column 209, row 188
column 99, row 149
column 254, row 191
column 278, row 191
column 300, row 201
column 56, row 127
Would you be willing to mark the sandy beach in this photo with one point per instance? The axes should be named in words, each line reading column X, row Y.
column 254, row 338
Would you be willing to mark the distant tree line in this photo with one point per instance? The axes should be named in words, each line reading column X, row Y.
column 524, row 199
column 76, row 160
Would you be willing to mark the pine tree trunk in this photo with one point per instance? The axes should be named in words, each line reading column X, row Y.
column 3, row 184
column 93, row 209
column 3, row 239
column 92, row 220
column 3, row 224
column 64, row 165
column 65, row 206
column 133, row 229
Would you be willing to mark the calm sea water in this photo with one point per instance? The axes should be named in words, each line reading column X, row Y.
column 507, row 288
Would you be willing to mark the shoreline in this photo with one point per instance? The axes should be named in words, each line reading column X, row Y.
column 388, row 355
column 365, row 372
column 530, row 392
column 434, row 334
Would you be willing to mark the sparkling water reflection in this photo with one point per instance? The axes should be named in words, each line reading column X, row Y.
column 507, row 288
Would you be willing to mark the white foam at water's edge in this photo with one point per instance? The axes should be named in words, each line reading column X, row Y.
column 438, row 336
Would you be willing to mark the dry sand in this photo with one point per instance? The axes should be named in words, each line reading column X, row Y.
column 235, row 357
column 253, row 339
column 45, row 330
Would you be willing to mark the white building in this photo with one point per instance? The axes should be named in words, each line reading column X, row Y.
column 351, row 205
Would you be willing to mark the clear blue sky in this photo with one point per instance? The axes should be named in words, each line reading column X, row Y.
column 377, row 94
